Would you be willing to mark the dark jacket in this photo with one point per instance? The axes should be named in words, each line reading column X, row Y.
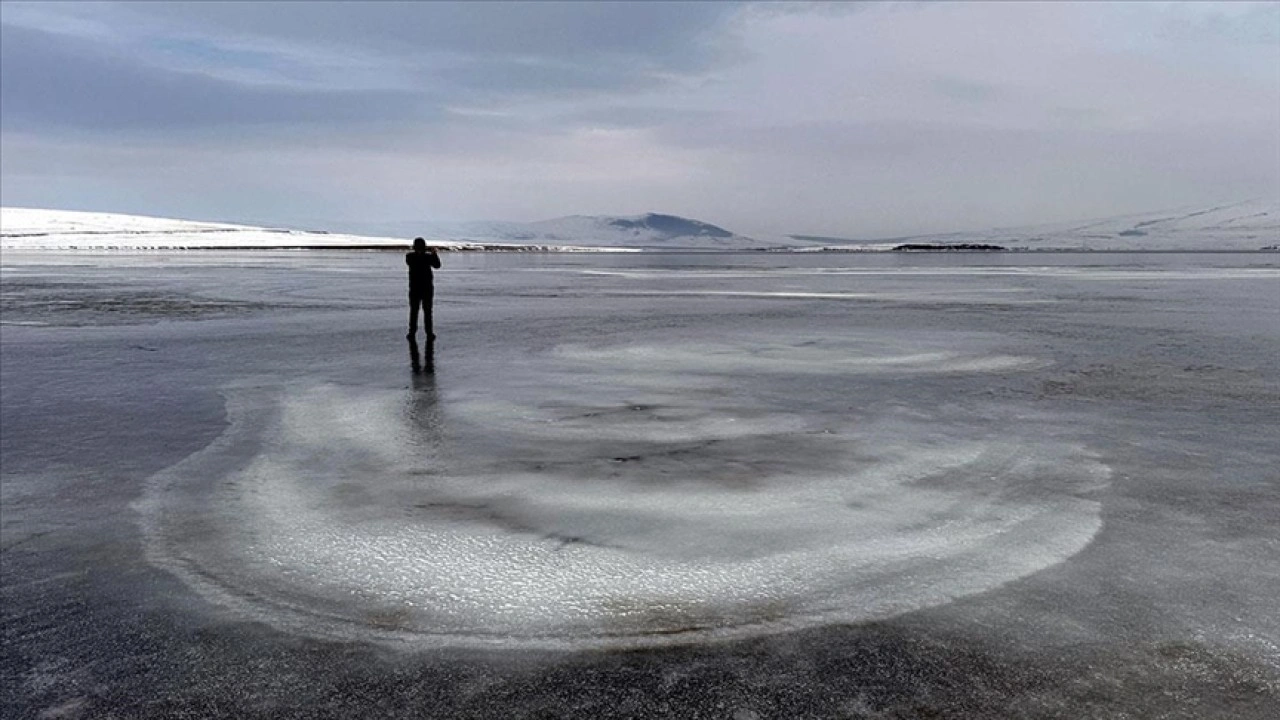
column 420, row 265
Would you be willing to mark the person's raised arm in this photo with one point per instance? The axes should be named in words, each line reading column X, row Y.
column 435, row 258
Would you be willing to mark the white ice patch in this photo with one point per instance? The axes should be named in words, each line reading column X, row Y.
column 981, row 296
column 855, row 356
column 613, row 496
column 1065, row 271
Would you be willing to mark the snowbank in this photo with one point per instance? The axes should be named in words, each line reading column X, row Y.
column 37, row 229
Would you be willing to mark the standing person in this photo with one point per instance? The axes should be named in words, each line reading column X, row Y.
column 421, row 288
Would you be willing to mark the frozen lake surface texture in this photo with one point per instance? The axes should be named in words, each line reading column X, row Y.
column 656, row 485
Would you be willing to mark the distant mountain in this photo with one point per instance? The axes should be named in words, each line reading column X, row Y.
column 1246, row 225
column 669, row 226
column 648, row 231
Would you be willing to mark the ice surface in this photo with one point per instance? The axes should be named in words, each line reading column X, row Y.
column 639, row 494
column 1045, row 506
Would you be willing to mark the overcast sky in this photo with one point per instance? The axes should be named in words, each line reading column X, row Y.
column 867, row 120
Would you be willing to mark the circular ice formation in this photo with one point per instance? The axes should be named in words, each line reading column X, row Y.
column 529, row 514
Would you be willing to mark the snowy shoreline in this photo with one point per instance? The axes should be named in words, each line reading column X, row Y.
column 1242, row 227
column 36, row 230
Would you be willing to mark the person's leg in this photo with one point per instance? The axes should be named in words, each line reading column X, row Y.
column 414, row 300
column 428, row 303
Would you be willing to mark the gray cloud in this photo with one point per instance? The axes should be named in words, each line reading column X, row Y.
column 867, row 120
column 486, row 48
column 46, row 80
column 633, row 115
column 668, row 35
column 174, row 65
column 968, row 90
column 497, row 78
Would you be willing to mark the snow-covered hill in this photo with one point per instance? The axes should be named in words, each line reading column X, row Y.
column 1248, row 225
column 1240, row 226
column 36, row 229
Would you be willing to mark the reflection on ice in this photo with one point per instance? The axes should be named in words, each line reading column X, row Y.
column 614, row 496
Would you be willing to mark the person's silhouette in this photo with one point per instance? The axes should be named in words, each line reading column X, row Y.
column 421, row 287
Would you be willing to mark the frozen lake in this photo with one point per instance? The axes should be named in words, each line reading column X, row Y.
column 696, row 485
